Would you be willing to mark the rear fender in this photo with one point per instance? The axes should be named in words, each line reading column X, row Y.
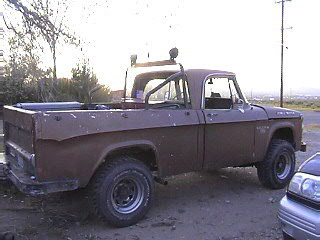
column 123, row 145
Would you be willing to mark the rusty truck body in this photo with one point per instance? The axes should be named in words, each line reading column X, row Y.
column 174, row 121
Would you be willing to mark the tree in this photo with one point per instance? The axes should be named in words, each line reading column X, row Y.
column 43, row 19
column 40, row 26
column 84, row 80
column 24, row 81
column 21, row 76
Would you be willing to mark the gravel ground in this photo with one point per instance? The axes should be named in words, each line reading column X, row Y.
column 1, row 137
column 224, row 204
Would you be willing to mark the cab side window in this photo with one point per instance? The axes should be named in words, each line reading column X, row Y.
column 219, row 93
column 171, row 95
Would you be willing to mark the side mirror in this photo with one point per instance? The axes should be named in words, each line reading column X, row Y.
column 93, row 90
column 240, row 104
column 239, row 101
column 166, row 95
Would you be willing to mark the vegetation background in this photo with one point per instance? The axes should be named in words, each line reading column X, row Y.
column 35, row 30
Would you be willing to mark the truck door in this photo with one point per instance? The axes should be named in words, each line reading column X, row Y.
column 229, row 125
column 178, row 137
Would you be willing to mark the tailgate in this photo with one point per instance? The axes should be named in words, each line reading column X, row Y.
column 19, row 129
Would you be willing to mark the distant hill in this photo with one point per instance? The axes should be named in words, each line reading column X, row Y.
column 289, row 92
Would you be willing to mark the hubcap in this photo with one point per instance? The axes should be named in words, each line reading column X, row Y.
column 283, row 166
column 127, row 195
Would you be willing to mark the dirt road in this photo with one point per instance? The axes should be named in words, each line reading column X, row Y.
column 225, row 204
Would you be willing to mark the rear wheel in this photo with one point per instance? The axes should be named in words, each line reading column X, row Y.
column 277, row 169
column 122, row 191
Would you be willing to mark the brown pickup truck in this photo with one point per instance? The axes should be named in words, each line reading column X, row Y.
column 172, row 121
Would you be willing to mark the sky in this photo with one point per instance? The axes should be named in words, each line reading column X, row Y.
column 231, row 35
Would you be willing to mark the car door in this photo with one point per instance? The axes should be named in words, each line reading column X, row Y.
column 229, row 125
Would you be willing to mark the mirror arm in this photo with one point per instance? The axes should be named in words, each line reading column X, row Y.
column 184, row 85
column 125, row 85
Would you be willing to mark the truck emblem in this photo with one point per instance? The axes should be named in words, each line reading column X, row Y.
column 285, row 113
column 262, row 129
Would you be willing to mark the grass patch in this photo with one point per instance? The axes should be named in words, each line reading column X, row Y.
column 295, row 105
column 312, row 127
column 302, row 107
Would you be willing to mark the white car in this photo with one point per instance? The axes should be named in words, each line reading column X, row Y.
column 299, row 212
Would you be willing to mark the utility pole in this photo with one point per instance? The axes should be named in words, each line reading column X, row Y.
column 282, row 41
column 281, row 88
column 2, row 49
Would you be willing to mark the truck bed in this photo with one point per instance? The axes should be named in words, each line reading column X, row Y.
column 70, row 144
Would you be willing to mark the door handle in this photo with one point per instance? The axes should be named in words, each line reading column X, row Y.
column 210, row 115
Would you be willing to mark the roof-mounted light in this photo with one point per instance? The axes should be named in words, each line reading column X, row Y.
column 173, row 54
column 133, row 59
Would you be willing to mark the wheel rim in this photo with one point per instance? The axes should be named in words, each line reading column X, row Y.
column 127, row 195
column 283, row 166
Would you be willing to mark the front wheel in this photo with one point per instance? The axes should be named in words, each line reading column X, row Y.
column 277, row 169
column 122, row 191
column 286, row 236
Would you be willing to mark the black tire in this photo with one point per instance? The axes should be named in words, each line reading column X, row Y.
column 277, row 169
column 122, row 191
column 286, row 236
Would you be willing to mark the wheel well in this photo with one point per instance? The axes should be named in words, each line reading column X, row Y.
column 144, row 154
column 284, row 134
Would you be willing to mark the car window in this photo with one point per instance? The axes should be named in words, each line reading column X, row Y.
column 220, row 93
column 171, row 92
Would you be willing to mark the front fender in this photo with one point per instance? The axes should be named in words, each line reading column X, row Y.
column 266, row 130
column 276, row 125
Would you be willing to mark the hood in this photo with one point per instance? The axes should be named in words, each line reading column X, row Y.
column 277, row 112
column 312, row 165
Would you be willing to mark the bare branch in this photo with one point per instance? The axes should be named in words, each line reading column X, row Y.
column 40, row 20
